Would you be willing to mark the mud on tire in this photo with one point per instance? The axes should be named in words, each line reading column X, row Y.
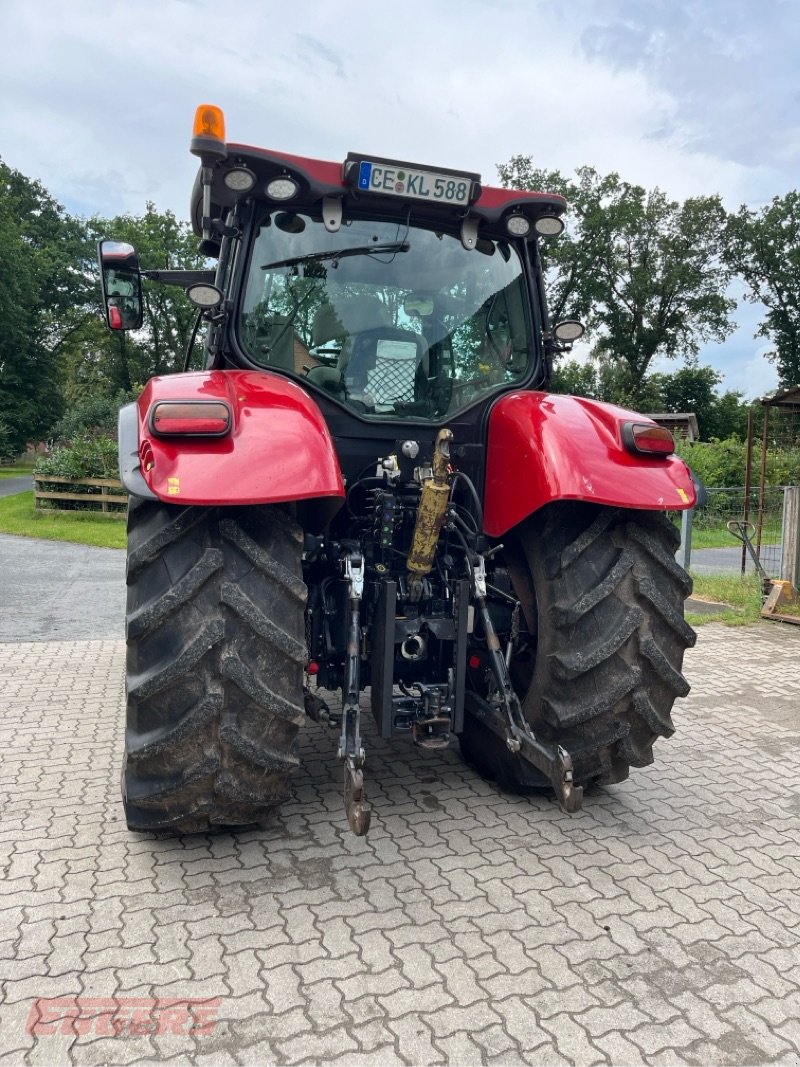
column 214, row 665
column 606, row 596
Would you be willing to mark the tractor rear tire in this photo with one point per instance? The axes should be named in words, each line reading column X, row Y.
column 606, row 596
column 216, row 649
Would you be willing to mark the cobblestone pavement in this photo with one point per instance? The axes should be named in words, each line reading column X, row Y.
column 661, row 925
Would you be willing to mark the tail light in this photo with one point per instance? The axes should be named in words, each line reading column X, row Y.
column 211, row 418
column 648, row 439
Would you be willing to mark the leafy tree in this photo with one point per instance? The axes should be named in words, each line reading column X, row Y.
column 577, row 379
column 567, row 260
column 45, row 297
column 162, row 242
column 644, row 271
column 603, row 379
column 764, row 248
column 96, row 361
column 7, row 448
column 695, row 388
column 728, row 418
column 93, row 415
column 692, row 388
column 54, row 345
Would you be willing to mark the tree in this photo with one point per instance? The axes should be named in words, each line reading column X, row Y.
column 577, row 379
column 91, row 416
column 566, row 261
column 162, row 243
column 646, row 272
column 693, row 388
column 728, row 418
column 763, row 247
column 54, row 345
column 45, row 297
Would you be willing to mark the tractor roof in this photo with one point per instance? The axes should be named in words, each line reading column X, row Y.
column 318, row 180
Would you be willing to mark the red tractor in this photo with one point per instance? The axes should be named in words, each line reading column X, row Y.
column 369, row 487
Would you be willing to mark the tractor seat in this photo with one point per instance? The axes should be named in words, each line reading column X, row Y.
column 377, row 365
column 385, row 369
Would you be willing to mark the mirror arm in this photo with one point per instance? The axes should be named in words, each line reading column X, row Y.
column 180, row 277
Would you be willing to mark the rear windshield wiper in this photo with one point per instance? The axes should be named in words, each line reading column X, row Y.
column 341, row 253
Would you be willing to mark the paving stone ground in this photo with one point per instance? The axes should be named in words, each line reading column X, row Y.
column 661, row 925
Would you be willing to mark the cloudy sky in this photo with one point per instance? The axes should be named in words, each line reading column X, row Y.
column 696, row 96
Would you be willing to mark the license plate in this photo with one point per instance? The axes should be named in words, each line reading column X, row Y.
column 390, row 180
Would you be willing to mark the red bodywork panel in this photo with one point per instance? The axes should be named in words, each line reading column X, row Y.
column 329, row 175
column 544, row 447
column 279, row 448
column 319, row 178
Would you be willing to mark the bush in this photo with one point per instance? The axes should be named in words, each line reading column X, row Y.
column 89, row 457
column 93, row 416
column 724, row 463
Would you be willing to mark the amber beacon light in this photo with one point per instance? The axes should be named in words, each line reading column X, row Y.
column 209, row 123
column 208, row 142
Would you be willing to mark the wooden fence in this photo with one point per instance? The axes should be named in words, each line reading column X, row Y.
column 93, row 495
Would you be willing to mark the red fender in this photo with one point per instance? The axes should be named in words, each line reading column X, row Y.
column 279, row 448
column 544, row 447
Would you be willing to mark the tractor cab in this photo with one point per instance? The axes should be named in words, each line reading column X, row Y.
column 399, row 292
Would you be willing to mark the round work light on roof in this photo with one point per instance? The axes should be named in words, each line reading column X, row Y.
column 283, row 188
column 240, row 180
column 549, row 226
column 518, row 225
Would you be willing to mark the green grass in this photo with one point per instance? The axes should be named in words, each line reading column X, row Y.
column 720, row 537
column 741, row 594
column 717, row 536
column 714, row 537
column 18, row 516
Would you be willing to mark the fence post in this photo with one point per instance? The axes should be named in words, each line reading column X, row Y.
column 790, row 540
column 685, row 551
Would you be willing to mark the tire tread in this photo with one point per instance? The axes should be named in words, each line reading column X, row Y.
column 611, row 640
column 215, row 659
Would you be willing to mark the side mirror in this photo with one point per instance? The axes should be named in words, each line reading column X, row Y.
column 122, row 285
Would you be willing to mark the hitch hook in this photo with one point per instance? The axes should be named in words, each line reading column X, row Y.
column 356, row 807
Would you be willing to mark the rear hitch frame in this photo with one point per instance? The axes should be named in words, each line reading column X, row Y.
column 504, row 716
column 351, row 750
column 552, row 760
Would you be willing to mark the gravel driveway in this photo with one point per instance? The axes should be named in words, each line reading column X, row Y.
column 12, row 486
column 55, row 591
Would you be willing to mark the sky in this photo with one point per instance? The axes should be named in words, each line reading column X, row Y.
column 694, row 96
